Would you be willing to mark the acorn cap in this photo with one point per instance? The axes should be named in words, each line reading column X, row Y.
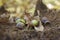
column 45, row 20
column 20, row 25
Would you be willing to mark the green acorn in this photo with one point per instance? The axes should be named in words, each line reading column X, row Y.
column 34, row 22
column 20, row 20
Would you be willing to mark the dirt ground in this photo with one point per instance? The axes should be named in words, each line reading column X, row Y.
column 51, row 32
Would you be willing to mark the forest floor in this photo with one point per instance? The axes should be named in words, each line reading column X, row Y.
column 51, row 32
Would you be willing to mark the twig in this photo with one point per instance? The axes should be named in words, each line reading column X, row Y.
column 42, row 34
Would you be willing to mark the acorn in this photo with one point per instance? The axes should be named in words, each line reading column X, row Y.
column 20, row 20
column 45, row 20
column 20, row 25
column 40, row 27
column 34, row 22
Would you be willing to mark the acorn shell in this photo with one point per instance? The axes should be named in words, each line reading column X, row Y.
column 34, row 22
